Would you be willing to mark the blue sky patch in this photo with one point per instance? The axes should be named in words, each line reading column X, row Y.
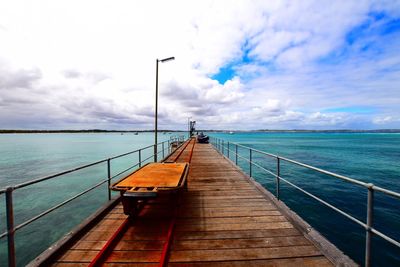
column 224, row 74
column 227, row 72
column 364, row 38
column 351, row 109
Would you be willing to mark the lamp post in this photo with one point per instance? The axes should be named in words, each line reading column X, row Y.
column 156, row 109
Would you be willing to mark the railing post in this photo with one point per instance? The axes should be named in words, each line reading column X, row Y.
column 155, row 153
column 163, row 154
column 278, row 174
column 236, row 153
column 370, row 216
column 169, row 148
column 251, row 161
column 223, row 148
column 140, row 158
column 109, row 178
column 10, row 227
column 228, row 150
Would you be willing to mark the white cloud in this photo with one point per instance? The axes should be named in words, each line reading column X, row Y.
column 76, row 64
column 386, row 120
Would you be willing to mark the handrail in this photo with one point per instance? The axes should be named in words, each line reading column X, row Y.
column 3, row 190
column 351, row 180
column 56, row 175
column 11, row 229
column 219, row 144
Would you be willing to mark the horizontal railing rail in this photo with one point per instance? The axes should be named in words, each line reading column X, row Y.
column 8, row 191
column 225, row 146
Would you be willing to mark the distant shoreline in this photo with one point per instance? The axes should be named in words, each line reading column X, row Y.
column 215, row 131
column 82, row 131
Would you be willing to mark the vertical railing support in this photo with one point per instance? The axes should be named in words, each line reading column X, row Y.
column 109, row 178
column 370, row 216
column 236, row 154
column 223, row 148
column 228, row 150
column 278, row 175
column 169, row 147
column 10, row 227
column 140, row 158
column 155, row 153
column 251, row 162
column 163, row 154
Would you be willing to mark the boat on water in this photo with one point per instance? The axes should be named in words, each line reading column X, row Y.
column 202, row 138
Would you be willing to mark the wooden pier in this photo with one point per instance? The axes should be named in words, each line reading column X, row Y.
column 223, row 219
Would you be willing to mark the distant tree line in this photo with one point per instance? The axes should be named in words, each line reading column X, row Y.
column 81, row 131
column 227, row 131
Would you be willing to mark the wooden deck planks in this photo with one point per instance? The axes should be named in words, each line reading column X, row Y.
column 222, row 220
column 318, row 261
column 225, row 221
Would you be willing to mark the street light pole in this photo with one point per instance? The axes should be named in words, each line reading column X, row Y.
column 156, row 115
column 156, row 107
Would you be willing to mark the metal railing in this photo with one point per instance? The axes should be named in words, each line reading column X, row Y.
column 223, row 146
column 8, row 191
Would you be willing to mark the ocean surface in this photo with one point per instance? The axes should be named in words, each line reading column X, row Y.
column 25, row 157
column 369, row 157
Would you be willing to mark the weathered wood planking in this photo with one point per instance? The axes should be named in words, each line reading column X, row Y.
column 222, row 219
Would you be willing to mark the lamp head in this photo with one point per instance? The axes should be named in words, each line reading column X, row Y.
column 167, row 59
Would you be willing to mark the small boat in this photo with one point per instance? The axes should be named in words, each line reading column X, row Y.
column 135, row 133
column 230, row 132
column 202, row 138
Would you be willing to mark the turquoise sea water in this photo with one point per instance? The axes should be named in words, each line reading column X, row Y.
column 367, row 157
column 28, row 156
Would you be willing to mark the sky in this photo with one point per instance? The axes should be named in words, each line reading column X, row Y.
column 240, row 65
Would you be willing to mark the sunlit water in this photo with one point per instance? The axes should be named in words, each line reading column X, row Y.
column 367, row 157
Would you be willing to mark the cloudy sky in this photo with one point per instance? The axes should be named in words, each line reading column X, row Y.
column 239, row 64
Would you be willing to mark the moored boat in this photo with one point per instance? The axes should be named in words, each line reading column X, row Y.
column 202, row 138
